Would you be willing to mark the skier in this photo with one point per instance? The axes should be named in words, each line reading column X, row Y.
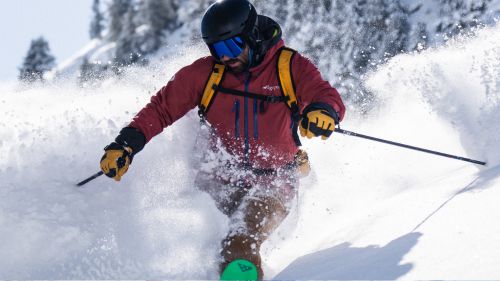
column 254, row 94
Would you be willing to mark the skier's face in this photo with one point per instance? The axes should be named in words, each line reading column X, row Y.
column 237, row 64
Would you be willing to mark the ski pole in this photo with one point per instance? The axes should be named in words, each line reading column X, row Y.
column 94, row 176
column 348, row 133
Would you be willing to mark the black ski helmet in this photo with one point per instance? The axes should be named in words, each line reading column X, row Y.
column 225, row 19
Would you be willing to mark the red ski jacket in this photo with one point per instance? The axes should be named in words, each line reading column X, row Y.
column 260, row 135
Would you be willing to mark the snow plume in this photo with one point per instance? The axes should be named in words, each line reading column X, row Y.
column 369, row 211
column 458, row 83
column 382, row 212
column 153, row 223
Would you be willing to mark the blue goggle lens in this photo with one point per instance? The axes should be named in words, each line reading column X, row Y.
column 231, row 47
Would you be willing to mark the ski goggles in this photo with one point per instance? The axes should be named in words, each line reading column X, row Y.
column 231, row 47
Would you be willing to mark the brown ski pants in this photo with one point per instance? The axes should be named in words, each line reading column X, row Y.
column 256, row 204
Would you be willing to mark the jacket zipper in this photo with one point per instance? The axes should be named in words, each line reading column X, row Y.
column 255, row 120
column 247, row 143
column 236, row 110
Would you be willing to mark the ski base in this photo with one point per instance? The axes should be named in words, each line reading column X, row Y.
column 240, row 269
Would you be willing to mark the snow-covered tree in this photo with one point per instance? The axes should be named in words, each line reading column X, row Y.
column 127, row 45
column 97, row 23
column 91, row 73
column 456, row 15
column 142, row 28
column 381, row 29
column 344, row 38
column 160, row 14
column 155, row 17
column 117, row 11
column 437, row 20
column 38, row 61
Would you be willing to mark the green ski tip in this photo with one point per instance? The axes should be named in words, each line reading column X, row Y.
column 239, row 270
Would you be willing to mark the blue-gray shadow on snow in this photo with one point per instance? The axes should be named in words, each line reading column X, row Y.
column 485, row 178
column 343, row 262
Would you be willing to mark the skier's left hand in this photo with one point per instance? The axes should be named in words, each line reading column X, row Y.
column 317, row 121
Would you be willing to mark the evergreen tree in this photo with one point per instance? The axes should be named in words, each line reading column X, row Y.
column 156, row 16
column 91, row 73
column 380, row 31
column 127, row 46
column 38, row 61
column 418, row 37
column 457, row 15
column 161, row 14
column 86, row 73
column 96, row 25
column 344, row 38
column 117, row 11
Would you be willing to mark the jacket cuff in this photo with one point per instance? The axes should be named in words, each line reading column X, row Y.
column 322, row 106
column 132, row 138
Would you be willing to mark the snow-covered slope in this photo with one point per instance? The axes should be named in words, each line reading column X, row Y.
column 370, row 211
column 381, row 213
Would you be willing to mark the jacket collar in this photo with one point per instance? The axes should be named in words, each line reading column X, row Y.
column 268, row 58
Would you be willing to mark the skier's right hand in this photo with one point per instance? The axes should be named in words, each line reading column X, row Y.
column 115, row 161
